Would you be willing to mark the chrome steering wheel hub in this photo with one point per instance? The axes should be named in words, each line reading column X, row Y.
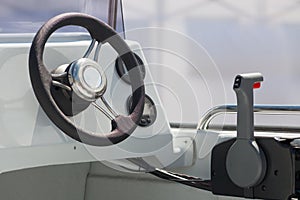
column 87, row 79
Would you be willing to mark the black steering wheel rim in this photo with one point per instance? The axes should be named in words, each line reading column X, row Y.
column 41, row 79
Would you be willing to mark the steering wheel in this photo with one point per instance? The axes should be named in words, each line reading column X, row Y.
column 65, row 92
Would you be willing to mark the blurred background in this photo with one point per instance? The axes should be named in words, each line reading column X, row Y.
column 240, row 36
column 195, row 48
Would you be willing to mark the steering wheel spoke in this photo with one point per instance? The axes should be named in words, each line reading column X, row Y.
column 107, row 114
column 59, row 76
column 61, row 85
column 97, row 52
column 90, row 49
column 111, row 110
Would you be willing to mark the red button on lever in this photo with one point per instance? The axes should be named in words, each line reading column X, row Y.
column 256, row 85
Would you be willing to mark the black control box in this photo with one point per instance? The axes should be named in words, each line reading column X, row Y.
column 282, row 178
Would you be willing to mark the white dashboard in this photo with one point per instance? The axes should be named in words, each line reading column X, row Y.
column 29, row 139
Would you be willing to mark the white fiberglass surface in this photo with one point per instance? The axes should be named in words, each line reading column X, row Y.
column 24, row 124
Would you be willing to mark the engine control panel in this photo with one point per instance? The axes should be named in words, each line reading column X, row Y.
column 249, row 166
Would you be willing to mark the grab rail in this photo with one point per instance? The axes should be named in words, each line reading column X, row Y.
column 263, row 109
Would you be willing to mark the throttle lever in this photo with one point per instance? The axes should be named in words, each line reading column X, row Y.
column 245, row 161
column 243, row 87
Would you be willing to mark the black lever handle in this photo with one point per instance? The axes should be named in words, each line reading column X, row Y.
column 245, row 161
column 243, row 87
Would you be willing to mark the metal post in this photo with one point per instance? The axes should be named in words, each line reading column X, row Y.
column 112, row 13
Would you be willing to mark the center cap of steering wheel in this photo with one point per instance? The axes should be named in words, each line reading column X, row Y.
column 87, row 79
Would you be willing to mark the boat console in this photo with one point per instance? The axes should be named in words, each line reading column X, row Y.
column 74, row 103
